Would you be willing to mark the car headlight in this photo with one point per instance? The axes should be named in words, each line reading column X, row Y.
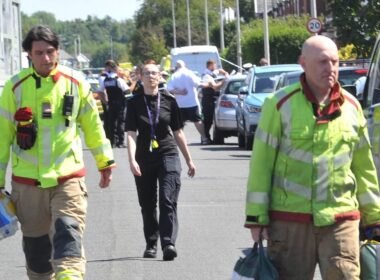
column 253, row 108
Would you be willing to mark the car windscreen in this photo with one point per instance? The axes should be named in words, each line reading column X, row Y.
column 196, row 61
column 234, row 86
column 349, row 77
column 264, row 82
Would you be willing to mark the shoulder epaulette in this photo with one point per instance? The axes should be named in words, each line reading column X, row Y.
column 284, row 98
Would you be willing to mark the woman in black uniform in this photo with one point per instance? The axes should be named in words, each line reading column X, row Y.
column 154, row 130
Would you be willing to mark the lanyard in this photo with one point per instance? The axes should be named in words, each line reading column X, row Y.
column 153, row 125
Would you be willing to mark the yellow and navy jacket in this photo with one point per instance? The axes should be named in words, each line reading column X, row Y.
column 57, row 153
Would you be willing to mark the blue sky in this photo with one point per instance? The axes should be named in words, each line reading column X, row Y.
column 72, row 9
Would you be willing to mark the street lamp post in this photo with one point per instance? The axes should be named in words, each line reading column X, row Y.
column 174, row 28
column 221, row 26
column 206, row 23
column 239, row 58
column 266, row 33
column 313, row 8
column 188, row 23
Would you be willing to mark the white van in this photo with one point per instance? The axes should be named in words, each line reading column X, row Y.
column 371, row 103
column 195, row 57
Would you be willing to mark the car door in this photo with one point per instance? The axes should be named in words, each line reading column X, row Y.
column 371, row 103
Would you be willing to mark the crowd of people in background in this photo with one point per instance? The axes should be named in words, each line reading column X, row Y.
column 117, row 85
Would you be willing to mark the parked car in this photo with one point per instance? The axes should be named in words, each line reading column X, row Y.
column 225, row 112
column 260, row 84
column 348, row 75
column 286, row 79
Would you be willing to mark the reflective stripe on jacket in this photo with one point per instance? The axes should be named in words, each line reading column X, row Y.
column 306, row 172
column 57, row 152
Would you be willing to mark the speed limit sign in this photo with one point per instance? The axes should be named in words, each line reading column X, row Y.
column 314, row 25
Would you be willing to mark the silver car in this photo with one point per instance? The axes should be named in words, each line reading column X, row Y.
column 225, row 114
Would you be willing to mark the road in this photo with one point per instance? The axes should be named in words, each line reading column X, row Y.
column 211, row 216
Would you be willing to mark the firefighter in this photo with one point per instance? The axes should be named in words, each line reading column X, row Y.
column 312, row 176
column 41, row 110
column 116, row 89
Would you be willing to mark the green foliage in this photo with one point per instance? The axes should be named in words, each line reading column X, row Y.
column 357, row 23
column 97, row 36
column 286, row 36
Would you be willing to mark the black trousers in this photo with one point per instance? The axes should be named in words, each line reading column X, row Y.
column 115, row 119
column 165, row 171
column 208, row 110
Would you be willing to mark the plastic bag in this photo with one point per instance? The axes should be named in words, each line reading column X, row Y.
column 8, row 219
column 255, row 266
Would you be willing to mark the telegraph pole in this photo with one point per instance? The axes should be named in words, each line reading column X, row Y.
column 239, row 58
column 174, row 28
column 221, row 26
column 188, row 23
column 266, row 33
column 206, row 23
column 313, row 8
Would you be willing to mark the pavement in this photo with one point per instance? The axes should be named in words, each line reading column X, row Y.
column 211, row 216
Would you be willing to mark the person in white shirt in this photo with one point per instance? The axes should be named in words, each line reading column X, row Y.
column 183, row 84
column 210, row 93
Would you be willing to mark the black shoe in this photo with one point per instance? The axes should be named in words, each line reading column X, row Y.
column 169, row 253
column 150, row 251
column 206, row 141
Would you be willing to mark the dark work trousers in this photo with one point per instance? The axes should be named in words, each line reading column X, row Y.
column 115, row 122
column 165, row 171
column 208, row 110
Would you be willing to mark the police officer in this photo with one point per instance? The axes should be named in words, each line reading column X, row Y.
column 41, row 110
column 209, row 95
column 116, row 88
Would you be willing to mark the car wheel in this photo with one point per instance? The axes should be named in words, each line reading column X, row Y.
column 248, row 141
column 218, row 136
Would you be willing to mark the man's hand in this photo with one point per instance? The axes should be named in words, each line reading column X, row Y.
column 258, row 231
column 105, row 178
column 191, row 171
column 135, row 168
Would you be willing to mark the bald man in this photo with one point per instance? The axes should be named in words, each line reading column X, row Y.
column 312, row 175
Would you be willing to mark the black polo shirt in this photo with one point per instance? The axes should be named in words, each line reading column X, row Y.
column 169, row 120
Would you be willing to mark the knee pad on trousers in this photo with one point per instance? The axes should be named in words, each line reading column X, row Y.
column 37, row 253
column 67, row 239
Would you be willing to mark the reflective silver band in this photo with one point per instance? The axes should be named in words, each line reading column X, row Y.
column 17, row 91
column 87, row 107
column 46, row 144
column 369, row 198
column 257, row 197
column 297, row 189
column 3, row 166
column 6, row 114
column 101, row 149
column 24, row 155
column 322, row 181
column 267, row 138
column 300, row 155
column 341, row 160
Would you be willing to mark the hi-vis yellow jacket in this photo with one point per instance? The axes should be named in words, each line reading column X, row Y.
column 308, row 172
column 57, row 152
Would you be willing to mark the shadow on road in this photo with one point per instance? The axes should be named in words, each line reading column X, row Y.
column 123, row 259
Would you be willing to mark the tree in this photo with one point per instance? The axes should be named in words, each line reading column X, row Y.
column 357, row 23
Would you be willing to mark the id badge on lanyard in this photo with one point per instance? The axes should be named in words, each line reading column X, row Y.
column 153, row 123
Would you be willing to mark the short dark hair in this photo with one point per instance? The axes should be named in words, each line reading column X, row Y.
column 40, row 33
column 210, row 62
column 111, row 63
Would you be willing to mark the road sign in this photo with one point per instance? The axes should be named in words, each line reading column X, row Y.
column 314, row 25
